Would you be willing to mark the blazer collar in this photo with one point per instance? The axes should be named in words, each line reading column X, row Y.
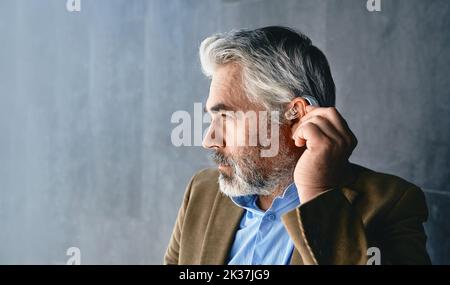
column 220, row 231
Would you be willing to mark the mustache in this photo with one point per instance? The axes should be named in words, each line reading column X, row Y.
column 220, row 158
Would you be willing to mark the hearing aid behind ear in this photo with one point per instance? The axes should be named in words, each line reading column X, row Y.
column 293, row 113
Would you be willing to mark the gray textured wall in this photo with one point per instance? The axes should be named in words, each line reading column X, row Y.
column 86, row 100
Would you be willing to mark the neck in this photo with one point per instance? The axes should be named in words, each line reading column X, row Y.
column 265, row 201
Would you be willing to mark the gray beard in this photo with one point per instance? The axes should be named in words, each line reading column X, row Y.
column 240, row 184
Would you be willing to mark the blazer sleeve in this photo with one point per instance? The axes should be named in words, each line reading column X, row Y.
column 331, row 231
column 171, row 256
column 403, row 236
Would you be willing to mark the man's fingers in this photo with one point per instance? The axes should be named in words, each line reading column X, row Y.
column 310, row 133
column 336, row 119
column 331, row 125
column 331, row 113
column 329, row 129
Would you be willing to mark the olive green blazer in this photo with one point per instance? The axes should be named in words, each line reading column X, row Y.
column 336, row 227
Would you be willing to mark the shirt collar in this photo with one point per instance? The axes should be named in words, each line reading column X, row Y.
column 281, row 204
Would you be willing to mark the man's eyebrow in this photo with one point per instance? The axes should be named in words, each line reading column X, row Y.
column 219, row 107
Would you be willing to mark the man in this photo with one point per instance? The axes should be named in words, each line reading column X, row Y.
column 305, row 205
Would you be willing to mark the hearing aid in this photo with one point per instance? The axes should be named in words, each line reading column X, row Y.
column 293, row 113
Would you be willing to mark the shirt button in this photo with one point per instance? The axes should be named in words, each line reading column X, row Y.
column 271, row 217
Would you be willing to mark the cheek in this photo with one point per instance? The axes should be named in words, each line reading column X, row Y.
column 243, row 133
column 232, row 132
column 251, row 131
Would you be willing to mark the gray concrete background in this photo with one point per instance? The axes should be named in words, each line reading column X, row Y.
column 86, row 100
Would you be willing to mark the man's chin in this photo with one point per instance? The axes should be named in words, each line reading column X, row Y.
column 232, row 186
column 228, row 187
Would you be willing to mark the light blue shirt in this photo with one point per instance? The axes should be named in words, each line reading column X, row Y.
column 262, row 237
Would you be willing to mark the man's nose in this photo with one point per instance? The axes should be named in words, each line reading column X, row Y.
column 213, row 138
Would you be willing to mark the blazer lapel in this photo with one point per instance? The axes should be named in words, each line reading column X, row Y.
column 300, row 254
column 296, row 258
column 220, row 231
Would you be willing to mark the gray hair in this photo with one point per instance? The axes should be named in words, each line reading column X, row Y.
column 278, row 65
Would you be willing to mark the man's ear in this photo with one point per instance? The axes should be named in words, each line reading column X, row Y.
column 296, row 109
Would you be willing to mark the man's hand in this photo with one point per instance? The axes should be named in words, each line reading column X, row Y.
column 329, row 143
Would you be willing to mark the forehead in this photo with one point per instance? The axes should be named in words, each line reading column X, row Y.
column 227, row 88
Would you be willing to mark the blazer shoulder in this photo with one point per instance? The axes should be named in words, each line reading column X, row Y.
column 378, row 192
column 206, row 179
column 204, row 187
column 206, row 175
column 370, row 180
